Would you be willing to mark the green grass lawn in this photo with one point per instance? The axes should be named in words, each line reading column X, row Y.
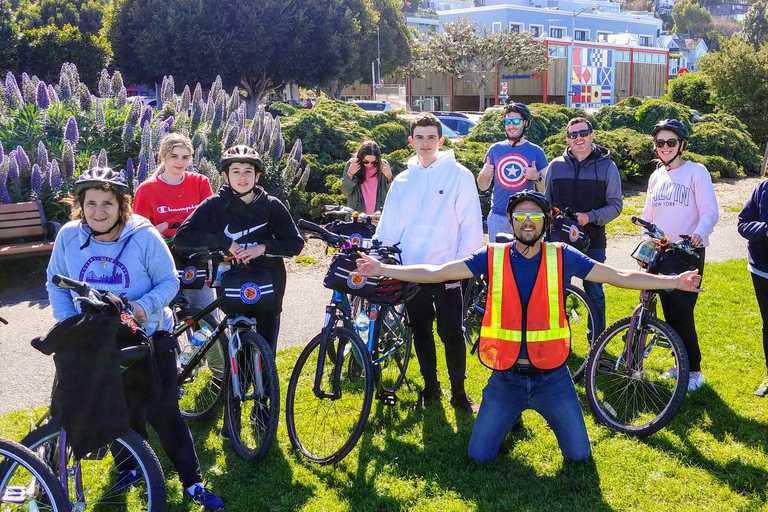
column 622, row 225
column 711, row 457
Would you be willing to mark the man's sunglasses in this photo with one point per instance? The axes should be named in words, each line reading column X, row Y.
column 516, row 121
column 671, row 143
column 583, row 133
column 534, row 217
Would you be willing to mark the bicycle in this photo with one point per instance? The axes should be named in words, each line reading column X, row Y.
column 337, row 375
column 246, row 364
column 578, row 308
column 625, row 385
column 124, row 473
column 26, row 483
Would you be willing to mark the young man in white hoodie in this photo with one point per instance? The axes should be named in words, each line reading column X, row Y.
column 433, row 212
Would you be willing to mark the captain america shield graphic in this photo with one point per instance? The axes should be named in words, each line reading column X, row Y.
column 510, row 171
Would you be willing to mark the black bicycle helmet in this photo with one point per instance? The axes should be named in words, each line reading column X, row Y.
column 672, row 125
column 394, row 291
column 241, row 153
column 99, row 176
column 520, row 108
column 536, row 197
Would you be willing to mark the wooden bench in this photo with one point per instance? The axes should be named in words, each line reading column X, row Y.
column 24, row 230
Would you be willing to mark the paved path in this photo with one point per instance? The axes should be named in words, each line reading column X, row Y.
column 25, row 374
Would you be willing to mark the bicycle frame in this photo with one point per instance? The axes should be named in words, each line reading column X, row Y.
column 339, row 304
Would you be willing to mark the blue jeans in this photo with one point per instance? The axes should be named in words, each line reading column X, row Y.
column 595, row 292
column 508, row 394
column 497, row 224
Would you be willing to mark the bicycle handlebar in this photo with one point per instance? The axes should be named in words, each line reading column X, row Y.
column 342, row 211
column 344, row 244
column 654, row 231
column 79, row 287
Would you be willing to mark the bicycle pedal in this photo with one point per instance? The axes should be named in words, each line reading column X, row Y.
column 388, row 398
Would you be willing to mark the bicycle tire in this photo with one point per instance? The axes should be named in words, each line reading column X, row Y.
column 99, row 473
column 396, row 336
column 325, row 430
column 636, row 400
column 27, row 483
column 580, row 312
column 201, row 395
column 473, row 308
column 252, row 419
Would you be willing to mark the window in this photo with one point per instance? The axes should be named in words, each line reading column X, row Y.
column 556, row 32
column 602, row 37
column 536, row 29
column 557, row 51
column 620, row 56
column 582, row 35
column 515, row 27
column 496, row 26
column 646, row 41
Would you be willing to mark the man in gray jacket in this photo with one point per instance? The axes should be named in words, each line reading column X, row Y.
column 587, row 181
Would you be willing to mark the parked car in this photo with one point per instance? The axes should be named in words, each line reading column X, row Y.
column 457, row 121
column 373, row 106
column 147, row 100
column 447, row 132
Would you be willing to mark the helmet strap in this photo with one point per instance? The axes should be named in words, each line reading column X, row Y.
column 98, row 233
column 515, row 140
column 668, row 163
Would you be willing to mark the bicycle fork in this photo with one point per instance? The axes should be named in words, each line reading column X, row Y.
column 235, row 348
column 331, row 319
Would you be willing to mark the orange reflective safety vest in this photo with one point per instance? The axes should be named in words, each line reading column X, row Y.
column 541, row 323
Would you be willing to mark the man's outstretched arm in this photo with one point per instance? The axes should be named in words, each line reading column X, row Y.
column 451, row 271
column 687, row 281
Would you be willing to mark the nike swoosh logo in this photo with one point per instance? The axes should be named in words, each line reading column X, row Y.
column 240, row 234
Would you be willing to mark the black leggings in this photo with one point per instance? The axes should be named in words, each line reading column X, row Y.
column 761, row 291
column 678, row 309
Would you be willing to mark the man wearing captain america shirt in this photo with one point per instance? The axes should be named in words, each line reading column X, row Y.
column 511, row 165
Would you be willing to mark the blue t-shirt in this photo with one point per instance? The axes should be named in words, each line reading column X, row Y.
column 510, row 164
column 524, row 269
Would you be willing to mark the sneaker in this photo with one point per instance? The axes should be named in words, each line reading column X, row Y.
column 670, row 374
column 427, row 397
column 126, row 479
column 695, row 381
column 763, row 389
column 463, row 402
column 205, row 497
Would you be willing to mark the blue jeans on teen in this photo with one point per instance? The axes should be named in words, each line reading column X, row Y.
column 595, row 292
column 508, row 394
column 497, row 224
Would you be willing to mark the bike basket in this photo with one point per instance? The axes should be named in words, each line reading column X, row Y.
column 644, row 251
column 340, row 278
column 568, row 231
column 247, row 291
column 668, row 262
column 358, row 233
column 191, row 274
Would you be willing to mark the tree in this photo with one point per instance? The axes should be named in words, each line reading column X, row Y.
column 756, row 24
column 256, row 45
column 691, row 89
column 691, row 18
column 466, row 54
column 9, row 37
column 736, row 76
column 86, row 15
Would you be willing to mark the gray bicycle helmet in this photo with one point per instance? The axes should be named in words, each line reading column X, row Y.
column 520, row 108
column 96, row 177
column 243, row 154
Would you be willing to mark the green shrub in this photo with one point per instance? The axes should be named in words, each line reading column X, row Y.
column 631, row 151
column 631, row 101
column 653, row 111
column 616, row 116
column 471, row 154
column 548, row 119
column 281, row 109
column 398, row 160
column 691, row 89
column 325, row 133
column 715, row 139
column 726, row 120
column 717, row 166
column 489, row 129
column 390, row 136
column 318, row 202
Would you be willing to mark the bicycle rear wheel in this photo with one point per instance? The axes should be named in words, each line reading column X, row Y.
column 105, row 480
column 474, row 308
column 395, row 338
column 580, row 312
column 325, row 428
column 624, row 386
column 201, row 394
column 26, row 483
column 252, row 419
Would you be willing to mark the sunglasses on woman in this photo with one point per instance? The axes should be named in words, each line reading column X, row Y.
column 534, row 217
column 370, row 163
column 671, row 143
column 516, row 121
column 580, row 133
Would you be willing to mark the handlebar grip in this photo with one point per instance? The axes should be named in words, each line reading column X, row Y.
column 647, row 225
column 65, row 282
column 329, row 237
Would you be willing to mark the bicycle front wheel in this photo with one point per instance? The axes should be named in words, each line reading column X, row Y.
column 252, row 417
column 324, row 426
column 26, row 483
column 124, row 474
column 474, row 308
column 201, row 393
column 395, row 342
column 624, row 383
column 580, row 312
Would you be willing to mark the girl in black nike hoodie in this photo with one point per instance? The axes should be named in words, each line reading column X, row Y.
column 245, row 221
